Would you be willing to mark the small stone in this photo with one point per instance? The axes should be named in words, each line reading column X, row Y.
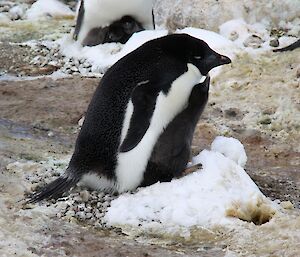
column 81, row 215
column 233, row 113
column 233, row 36
column 86, row 65
column 85, row 195
column 73, row 68
column 81, row 207
column 105, row 205
column 287, row 205
column 76, row 62
column 253, row 41
column 89, row 215
column 265, row 121
column 70, row 213
column 99, row 215
column 83, row 71
column 50, row 134
column 269, row 111
column 274, row 42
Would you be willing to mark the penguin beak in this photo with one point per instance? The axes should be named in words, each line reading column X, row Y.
column 214, row 60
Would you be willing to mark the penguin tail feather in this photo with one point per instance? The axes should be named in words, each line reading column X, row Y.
column 54, row 190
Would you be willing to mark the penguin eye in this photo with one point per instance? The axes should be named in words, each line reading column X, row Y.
column 198, row 57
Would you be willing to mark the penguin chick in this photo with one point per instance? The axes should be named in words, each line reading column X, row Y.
column 136, row 99
column 95, row 14
column 289, row 48
column 172, row 151
column 119, row 31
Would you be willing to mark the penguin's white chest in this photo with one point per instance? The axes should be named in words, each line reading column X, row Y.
column 131, row 165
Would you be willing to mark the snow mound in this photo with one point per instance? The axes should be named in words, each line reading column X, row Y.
column 52, row 8
column 230, row 148
column 103, row 56
column 221, row 193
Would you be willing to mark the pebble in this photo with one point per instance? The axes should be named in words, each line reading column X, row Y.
column 287, row 205
column 274, row 42
column 253, row 41
column 85, row 195
column 265, row 121
column 82, row 205
column 50, row 55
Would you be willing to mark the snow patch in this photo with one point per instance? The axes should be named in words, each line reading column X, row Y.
column 103, row 56
column 221, row 193
column 230, row 148
column 46, row 8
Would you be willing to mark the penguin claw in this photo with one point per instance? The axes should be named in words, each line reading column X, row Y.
column 192, row 168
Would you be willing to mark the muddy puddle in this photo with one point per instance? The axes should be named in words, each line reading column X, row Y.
column 39, row 121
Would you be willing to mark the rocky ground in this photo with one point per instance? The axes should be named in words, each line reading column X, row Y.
column 256, row 100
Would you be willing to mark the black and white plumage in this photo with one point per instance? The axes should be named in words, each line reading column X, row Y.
column 95, row 16
column 172, row 150
column 138, row 97
column 119, row 31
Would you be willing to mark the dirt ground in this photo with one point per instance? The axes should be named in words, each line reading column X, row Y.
column 39, row 118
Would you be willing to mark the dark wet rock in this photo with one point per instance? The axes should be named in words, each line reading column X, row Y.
column 233, row 113
column 274, row 42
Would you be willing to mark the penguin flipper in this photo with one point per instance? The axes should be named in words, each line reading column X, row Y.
column 53, row 190
column 143, row 99
column 79, row 20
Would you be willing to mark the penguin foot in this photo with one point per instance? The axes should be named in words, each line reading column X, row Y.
column 192, row 168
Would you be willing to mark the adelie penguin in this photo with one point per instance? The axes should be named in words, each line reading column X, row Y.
column 137, row 98
column 119, row 31
column 95, row 16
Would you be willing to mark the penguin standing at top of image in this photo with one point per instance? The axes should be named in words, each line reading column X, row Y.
column 95, row 16
column 137, row 98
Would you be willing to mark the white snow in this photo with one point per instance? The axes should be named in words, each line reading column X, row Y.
column 46, row 8
column 103, row 56
column 230, row 148
column 230, row 41
column 218, row 194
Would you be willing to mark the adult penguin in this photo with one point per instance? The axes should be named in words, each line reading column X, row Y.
column 136, row 99
column 96, row 15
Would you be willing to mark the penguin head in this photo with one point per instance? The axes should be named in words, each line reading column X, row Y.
column 121, row 30
column 195, row 51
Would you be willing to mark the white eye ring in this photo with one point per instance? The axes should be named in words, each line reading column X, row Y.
column 198, row 57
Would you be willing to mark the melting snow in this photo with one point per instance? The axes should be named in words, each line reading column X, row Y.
column 221, row 193
column 52, row 8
